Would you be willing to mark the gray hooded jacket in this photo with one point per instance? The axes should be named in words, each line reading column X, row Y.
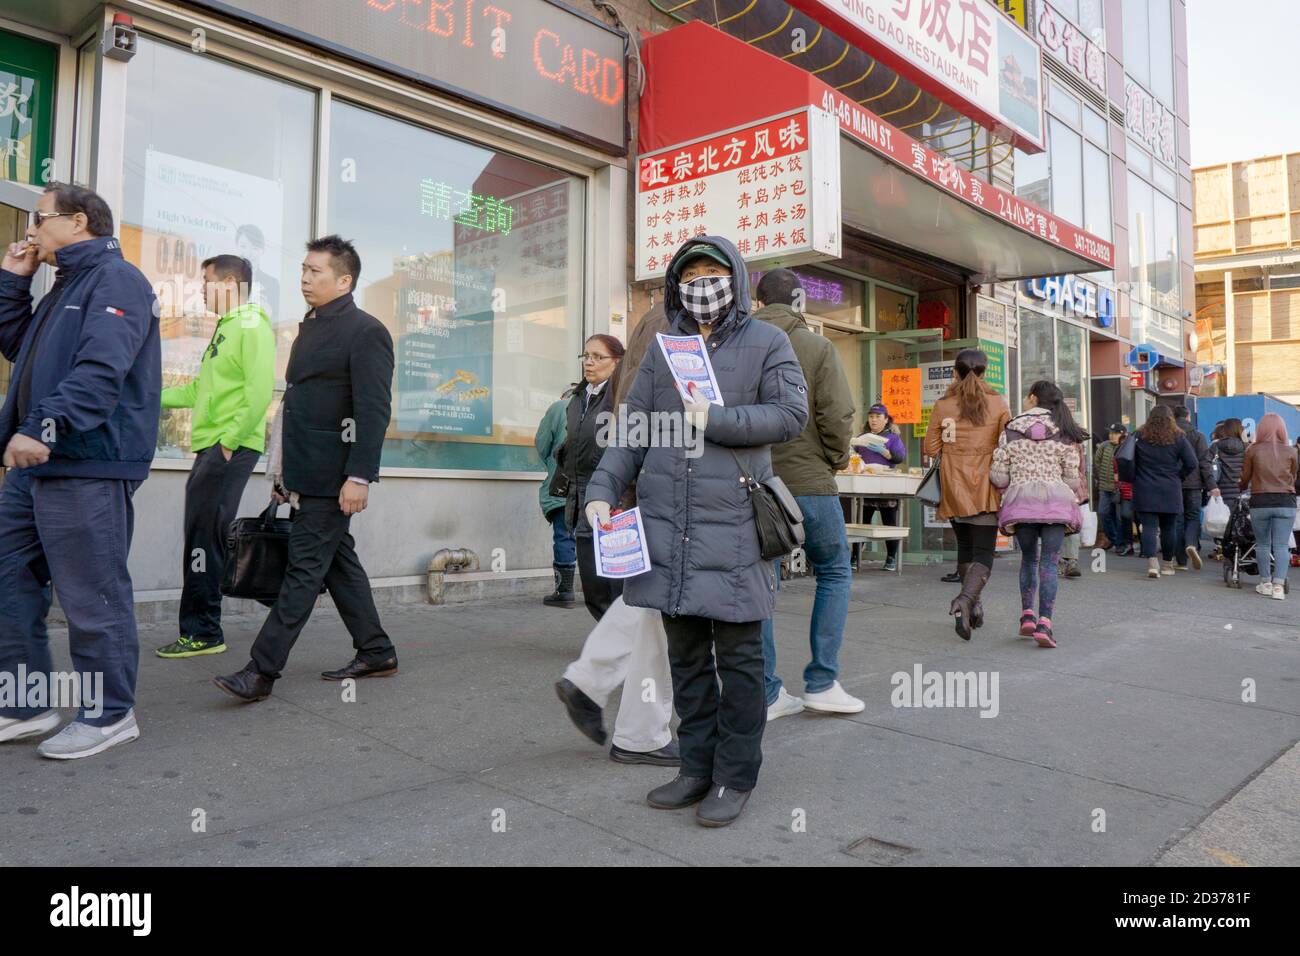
column 699, row 522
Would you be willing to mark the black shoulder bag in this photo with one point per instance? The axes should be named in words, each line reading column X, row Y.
column 777, row 517
column 257, row 554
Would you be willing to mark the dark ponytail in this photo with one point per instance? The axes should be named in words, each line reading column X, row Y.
column 968, row 386
column 1049, row 396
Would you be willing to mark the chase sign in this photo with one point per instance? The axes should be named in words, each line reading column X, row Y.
column 1071, row 294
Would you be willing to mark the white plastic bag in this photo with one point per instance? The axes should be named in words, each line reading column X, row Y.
column 1295, row 525
column 1216, row 517
column 1088, row 527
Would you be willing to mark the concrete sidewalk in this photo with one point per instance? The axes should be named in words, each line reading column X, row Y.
column 1136, row 720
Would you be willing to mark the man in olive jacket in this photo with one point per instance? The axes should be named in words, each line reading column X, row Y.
column 807, row 464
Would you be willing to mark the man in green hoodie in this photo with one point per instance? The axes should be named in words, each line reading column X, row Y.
column 228, row 434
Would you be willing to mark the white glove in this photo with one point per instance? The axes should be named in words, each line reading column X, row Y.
column 697, row 409
column 597, row 513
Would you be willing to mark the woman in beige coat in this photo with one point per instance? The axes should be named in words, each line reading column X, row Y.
column 964, row 429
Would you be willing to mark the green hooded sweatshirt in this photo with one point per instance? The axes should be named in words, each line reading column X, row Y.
column 236, row 378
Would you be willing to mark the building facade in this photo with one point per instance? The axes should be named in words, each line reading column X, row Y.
column 1032, row 197
column 1248, row 276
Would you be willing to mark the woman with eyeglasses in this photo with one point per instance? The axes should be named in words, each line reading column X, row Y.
column 601, row 357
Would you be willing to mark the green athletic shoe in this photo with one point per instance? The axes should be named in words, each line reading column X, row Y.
column 186, row 646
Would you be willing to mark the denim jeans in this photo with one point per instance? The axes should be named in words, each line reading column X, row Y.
column 1163, row 523
column 1109, row 507
column 1188, row 532
column 564, row 549
column 828, row 553
column 1038, row 573
column 1273, row 541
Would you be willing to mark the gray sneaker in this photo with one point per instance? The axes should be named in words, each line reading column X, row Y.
column 82, row 740
column 11, row 728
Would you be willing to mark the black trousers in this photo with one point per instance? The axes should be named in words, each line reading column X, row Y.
column 321, row 551
column 597, row 593
column 888, row 516
column 975, row 543
column 212, row 495
column 720, row 735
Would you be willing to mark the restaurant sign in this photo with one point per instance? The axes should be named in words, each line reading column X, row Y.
column 1067, row 42
column 1149, row 121
column 772, row 187
column 980, row 63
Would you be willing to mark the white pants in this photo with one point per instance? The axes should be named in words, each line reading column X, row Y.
column 630, row 648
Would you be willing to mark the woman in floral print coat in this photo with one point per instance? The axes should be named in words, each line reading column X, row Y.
column 1037, row 466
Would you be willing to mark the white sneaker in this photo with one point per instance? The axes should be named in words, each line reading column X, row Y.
column 1279, row 590
column 784, row 705
column 11, row 728
column 82, row 740
column 1265, row 588
column 834, row 700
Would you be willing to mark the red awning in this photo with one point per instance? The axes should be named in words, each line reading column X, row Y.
column 700, row 81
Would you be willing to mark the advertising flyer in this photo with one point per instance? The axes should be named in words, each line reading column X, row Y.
column 621, row 552
column 688, row 359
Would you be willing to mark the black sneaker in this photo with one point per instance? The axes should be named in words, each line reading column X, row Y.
column 722, row 806
column 583, row 711
column 186, row 646
column 680, row 792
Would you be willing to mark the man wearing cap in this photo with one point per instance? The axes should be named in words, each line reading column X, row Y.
column 1108, row 495
column 807, row 464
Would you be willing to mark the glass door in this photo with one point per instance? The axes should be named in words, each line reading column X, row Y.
column 16, row 203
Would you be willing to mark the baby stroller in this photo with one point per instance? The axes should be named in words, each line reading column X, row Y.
column 1239, row 546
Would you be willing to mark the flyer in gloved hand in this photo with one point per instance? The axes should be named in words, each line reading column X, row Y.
column 621, row 552
column 688, row 359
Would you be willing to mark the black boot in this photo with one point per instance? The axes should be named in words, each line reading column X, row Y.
column 973, row 579
column 563, row 595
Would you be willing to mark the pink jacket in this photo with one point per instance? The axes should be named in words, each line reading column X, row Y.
column 1040, row 473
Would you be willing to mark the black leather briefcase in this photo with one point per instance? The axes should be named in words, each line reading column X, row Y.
column 257, row 554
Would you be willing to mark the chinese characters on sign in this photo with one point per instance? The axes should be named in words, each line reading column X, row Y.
column 1149, row 121
column 771, row 188
column 961, row 51
column 466, row 207
column 27, row 72
column 1067, row 42
column 900, row 389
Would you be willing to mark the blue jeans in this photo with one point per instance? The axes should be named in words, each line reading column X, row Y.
column 1273, row 541
column 1188, row 532
column 76, row 532
column 1109, row 507
column 564, row 548
column 828, row 553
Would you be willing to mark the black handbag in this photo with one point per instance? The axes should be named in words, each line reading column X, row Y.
column 930, row 490
column 777, row 517
column 560, row 480
column 257, row 554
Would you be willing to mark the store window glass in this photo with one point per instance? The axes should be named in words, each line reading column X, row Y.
column 473, row 260
column 1164, row 179
column 827, row 295
column 1067, row 171
column 1037, row 348
column 1153, row 246
column 1161, row 30
column 1137, row 41
column 1096, row 192
column 1033, row 181
column 1091, row 21
column 1139, row 160
column 199, row 181
column 1094, row 126
column 1064, row 104
column 1071, row 378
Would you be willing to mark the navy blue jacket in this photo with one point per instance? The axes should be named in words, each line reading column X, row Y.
column 97, row 378
column 1157, row 473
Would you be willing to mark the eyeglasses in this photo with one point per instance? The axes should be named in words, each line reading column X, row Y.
column 37, row 217
column 593, row 357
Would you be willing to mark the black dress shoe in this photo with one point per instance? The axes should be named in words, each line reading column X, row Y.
column 951, row 578
column 584, row 713
column 248, row 685
column 359, row 668
column 666, row 756
column 722, row 806
column 681, row 792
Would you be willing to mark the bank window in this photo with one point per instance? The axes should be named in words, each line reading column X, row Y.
column 198, row 184
column 473, row 260
column 1067, row 172
column 1037, row 348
